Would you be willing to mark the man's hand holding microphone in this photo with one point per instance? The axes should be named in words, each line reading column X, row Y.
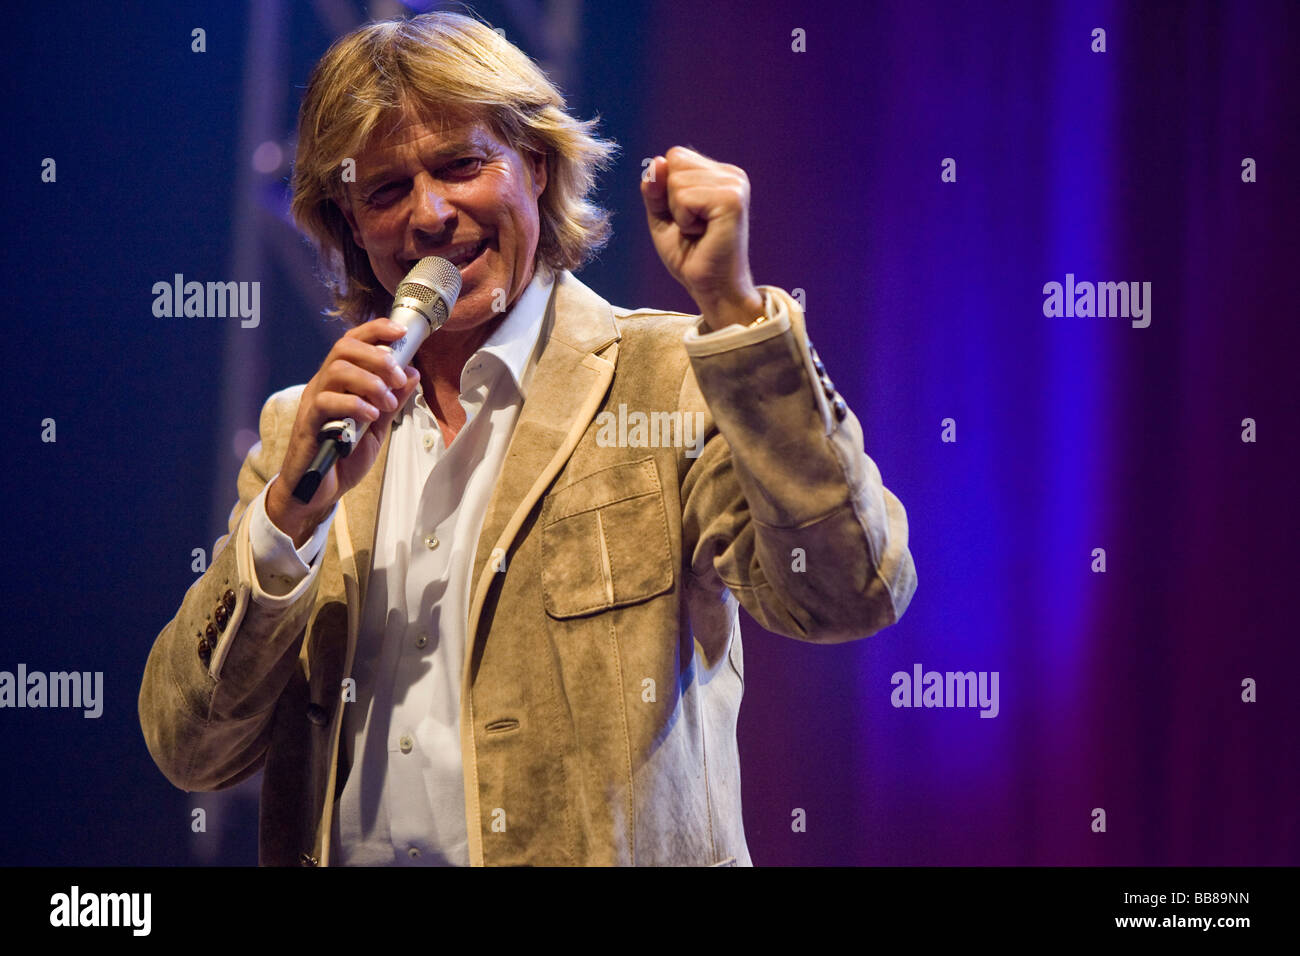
column 364, row 381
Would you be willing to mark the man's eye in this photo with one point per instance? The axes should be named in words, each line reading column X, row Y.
column 384, row 194
column 466, row 166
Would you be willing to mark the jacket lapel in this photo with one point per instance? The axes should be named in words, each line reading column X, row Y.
column 567, row 387
column 361, row 505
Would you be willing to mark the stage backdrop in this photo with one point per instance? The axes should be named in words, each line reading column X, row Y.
column 1048, row 252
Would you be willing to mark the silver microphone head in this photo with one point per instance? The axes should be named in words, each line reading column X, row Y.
column 431, row 288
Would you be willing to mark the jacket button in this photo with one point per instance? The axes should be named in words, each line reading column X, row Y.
column 841, row 410
column 205, row 651
column 817, row 360
column 316, row 714
column 222, row 616
column 827, row 385
column 306, row 859
column 211, row 633
column 228, row 599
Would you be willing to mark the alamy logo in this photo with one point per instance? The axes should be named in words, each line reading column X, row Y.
column 213, row 300
column 651, row 430
column 57, row 689
column 950, row 689
column 75, row 908
column 1101, row 299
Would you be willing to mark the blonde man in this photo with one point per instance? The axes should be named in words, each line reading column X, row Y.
column 505, row 629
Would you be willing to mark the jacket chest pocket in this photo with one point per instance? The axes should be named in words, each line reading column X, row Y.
column 605, row 541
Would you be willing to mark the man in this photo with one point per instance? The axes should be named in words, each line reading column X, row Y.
column 505, row 629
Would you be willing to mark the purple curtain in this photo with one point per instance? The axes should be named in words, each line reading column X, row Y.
column 1119, row 690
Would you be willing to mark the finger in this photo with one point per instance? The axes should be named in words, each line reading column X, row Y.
column 403, row 396
column 654, row 191
column 684, row 157
column 688, row 210
column 375, row 359
column 344, row 377
column 333, row 406
column 713, row 176
column 377, row 331
column 709, row 203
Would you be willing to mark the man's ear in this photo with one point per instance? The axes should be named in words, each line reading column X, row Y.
column 537, row 166
column 345, row 207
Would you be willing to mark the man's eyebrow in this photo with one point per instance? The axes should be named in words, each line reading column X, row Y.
column 383, row 172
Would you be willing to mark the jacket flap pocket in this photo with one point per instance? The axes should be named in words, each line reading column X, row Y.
column 605, row 541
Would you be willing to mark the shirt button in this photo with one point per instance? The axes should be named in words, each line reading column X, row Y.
column 413, row 853
column 428, row 441
column 406, row 744
column 421, row 641
column 431, row 541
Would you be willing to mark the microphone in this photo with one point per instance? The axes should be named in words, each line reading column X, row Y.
column 423, row 303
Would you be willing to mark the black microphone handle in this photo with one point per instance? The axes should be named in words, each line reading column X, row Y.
column 326, row 455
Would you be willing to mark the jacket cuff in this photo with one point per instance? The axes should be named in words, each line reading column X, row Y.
column 251, row 598
column 700, row 340
column 783, row 315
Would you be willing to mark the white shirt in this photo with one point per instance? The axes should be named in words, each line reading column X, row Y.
column 404, row 800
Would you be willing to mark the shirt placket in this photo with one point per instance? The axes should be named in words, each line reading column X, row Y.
column 425, row 728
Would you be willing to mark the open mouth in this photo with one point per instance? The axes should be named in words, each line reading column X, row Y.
column 459, row 255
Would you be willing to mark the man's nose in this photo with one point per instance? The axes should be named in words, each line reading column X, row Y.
column 432, row 212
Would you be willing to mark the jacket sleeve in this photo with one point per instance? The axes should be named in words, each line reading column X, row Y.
column 783, row 507
column 217, row 669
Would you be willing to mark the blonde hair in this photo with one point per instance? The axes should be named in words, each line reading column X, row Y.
column 454, row 65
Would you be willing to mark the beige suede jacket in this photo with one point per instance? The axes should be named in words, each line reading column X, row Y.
column 600, row 694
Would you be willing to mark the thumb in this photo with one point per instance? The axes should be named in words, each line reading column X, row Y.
column 654, row 191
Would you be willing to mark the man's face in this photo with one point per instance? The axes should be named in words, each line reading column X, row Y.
column 459, row 193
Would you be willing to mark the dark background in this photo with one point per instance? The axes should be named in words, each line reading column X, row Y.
column 1119, row 690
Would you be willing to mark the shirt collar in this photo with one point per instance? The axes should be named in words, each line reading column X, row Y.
column 513, row 342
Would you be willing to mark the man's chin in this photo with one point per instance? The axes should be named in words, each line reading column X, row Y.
column 460, row 324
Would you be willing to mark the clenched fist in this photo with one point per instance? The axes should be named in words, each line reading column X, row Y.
column 698, row 211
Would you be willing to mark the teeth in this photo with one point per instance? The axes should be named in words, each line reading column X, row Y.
column 461, row 254
column 457, row 255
